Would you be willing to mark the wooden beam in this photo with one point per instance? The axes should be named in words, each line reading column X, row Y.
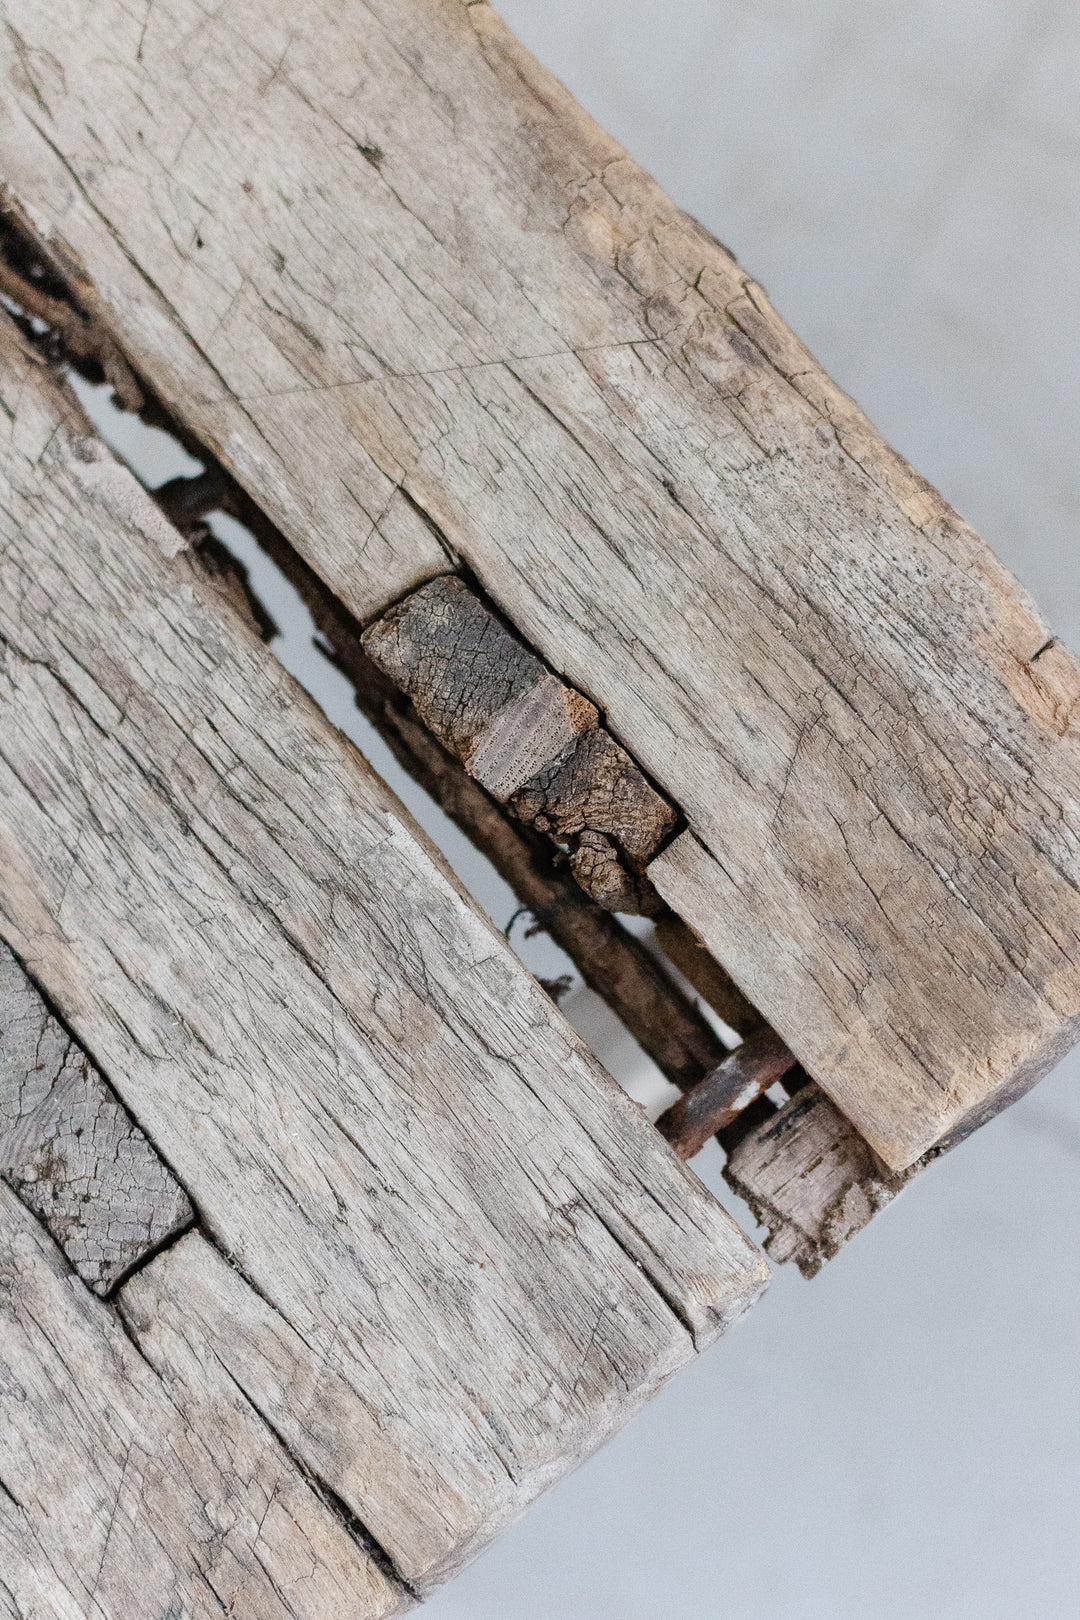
column 381, row 263
column 378, row 1113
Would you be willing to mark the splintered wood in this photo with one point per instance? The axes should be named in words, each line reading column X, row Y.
column 385, row 268
column 459, row 1255
column 811, row 1179
column 147, row 1484
column 527, row 737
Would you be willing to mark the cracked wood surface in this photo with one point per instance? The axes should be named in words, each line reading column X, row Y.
column 382, row 1118
column 381, row 262
column 71, row 1151
column 146, row 1486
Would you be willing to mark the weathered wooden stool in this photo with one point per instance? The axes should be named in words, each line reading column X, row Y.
column 325, row 1244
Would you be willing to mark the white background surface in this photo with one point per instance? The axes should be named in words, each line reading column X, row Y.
column 900, row 1438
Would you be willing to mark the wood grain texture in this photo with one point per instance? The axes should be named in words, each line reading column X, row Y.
column 379, row 1113
column 703, row 972
column 71, row 1151
column 484, row 694
column 148, row 1488
column 811, row 1179
column 384, row 265
column 192, row 1295
column 664, row 1021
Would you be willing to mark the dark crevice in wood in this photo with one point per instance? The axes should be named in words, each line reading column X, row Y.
column 611, row 960
column 214, row 1239
column 330, row 1498
column 672, row 1304
column 151, row 1253
column 40, row 300
column 429, row 523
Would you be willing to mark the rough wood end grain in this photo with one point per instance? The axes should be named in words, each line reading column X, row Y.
column 527, row 737
column 71, row 1151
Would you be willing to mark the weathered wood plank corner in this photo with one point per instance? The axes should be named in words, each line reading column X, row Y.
column 325, row 1243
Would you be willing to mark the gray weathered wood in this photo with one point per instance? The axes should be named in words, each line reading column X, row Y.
column 526, row 736
column 811, row 1179
column 190, row 1293
column 380, row 261
column 378, row 1113
column 71, row 1151
column 146, row 1486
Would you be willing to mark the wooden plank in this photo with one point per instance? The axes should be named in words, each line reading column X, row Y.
column 382, row 264
column 190, row 1294
column 811, row 1179
column 131, row 1486
column 71, row 1151
column 378, row 1113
